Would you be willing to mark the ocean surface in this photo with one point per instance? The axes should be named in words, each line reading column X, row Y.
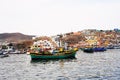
column 86, row 66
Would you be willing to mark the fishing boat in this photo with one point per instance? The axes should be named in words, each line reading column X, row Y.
column 44, row 48
column 110, row 47
column 99, row 49
column 54, row 54
column 3, row 54
column 88, row 50
column 117, row 47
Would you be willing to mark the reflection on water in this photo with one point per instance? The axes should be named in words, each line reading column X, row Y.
column 96, row 66
column 54, row 60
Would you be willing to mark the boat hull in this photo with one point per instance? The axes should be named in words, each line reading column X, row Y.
column 99, row 49
column 88, row 50
column 35, row 56
column 4, row 55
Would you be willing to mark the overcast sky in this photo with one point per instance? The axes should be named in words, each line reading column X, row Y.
column 51, row 17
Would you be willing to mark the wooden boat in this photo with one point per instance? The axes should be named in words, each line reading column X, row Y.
column 3, row 54
column 99, row 49
column 46, row 55
column 15, row 52
column 88, row 50
column 116, row 47
column 110, row 47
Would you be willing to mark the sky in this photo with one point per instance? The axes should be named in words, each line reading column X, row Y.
column 52, row 17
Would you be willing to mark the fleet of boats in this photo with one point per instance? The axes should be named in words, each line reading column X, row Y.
column 45, row 50
column 98, row 49
column 59, row 53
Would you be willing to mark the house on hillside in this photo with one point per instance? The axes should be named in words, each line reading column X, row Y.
column 56, row 39
column 44, row 43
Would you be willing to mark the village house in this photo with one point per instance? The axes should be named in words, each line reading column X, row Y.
column 44, row 43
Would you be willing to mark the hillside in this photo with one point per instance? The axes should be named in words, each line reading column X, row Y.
column 14, row 37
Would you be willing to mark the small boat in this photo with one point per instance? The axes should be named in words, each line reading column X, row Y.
column 99, row 49
column 88, row 50
column 117, row 46
column 14, row 52
column 110, row 47
column 46, row 55
column 3, row 54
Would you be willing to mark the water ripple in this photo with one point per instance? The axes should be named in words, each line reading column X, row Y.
column 96, row 66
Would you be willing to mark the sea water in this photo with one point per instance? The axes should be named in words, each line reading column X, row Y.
column 86, row 66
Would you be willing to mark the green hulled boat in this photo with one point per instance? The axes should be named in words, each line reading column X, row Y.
column 56, row 55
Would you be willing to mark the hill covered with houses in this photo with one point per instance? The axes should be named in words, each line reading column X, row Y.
column 73, row 39
column 88, row 37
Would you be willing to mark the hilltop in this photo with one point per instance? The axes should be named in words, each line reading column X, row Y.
column 14, row 37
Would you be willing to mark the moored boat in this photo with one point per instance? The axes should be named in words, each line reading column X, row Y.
column 116, row 47
column 99, row 49
column 46, row 55
column 110, row 47
column 3, row 54
column 88, row 50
